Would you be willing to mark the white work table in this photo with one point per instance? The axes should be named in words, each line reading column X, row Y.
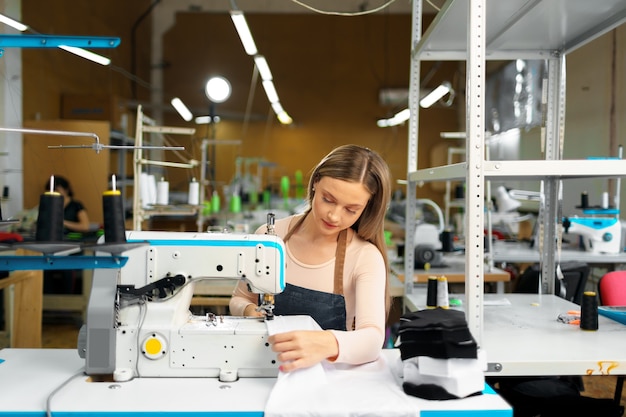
column 522, row 337
column 454, row 271
column 521, row 252
column 28, row 377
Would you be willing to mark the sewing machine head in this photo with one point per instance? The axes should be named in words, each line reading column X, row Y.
column 139, row 322
column 599, row 234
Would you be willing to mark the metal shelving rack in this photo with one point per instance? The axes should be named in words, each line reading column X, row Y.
column 476, row 31
column 147, row 125
column 449, row 202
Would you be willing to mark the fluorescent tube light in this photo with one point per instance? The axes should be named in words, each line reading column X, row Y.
column 261, row 64
column 277, row 107
column 453, row 135
column 182, row 109
column 203, row 120
column 400, row 117
column 435, row 95
column 270, row 91
column 263, row 67
column 281, row 114
column 13, row 23
column 239, row 20
column 284, row 118
column 83, row 53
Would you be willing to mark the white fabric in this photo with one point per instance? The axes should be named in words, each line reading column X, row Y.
column 465, row 381
column 452, row 366
column 335, row 389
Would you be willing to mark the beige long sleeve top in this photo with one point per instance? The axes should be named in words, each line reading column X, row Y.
column 363, row 288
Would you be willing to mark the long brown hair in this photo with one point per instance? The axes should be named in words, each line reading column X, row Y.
column 358, row 164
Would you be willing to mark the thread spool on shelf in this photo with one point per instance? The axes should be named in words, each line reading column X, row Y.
column 50, row 217
column 193, row 196
column 215, row 202
column 584, row 200
column 235, row 204
column 113, row 211
column 163, row 192
column 605, row 200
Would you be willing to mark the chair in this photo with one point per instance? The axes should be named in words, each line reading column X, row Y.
column 575, row 276
column 612, row 292
column 612, row 289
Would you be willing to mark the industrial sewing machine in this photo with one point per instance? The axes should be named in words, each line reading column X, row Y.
column 599, row 234
column 138, row 318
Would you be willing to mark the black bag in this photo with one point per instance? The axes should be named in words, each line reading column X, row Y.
column 552, row 397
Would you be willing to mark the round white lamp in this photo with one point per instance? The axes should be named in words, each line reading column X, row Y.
column 217, row 89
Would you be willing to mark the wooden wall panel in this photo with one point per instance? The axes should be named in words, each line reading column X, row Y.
column 328, row 71
column 85, row 169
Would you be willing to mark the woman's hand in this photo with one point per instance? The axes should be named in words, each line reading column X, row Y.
column 250, row 311
column 303, row 348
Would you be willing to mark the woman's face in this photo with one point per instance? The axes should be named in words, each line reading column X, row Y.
column 64, row 194
column 337, row 204
column 61, row 190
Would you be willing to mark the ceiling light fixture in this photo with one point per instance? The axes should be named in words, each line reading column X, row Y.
column 261, row 64
column 180, row 107
column 436, row 95
column 281, row 114
column 270, row 91
column 453, row 135
column 205, row 120
column 239, row 20
column 399, row 118
column 284, row 118
column 263, row 67
column 217, row 89
column 83, row 53
column 13, row 23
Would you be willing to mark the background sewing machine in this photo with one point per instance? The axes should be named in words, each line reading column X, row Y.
column 138, row 318
column 598, row 234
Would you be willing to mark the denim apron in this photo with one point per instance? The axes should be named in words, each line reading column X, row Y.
column 328, row 310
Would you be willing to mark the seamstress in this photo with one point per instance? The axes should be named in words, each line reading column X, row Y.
column 337, row 264
column 75, row 217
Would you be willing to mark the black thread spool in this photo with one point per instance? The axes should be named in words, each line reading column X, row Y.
column 113, row 210
column 459, row 192
column 584, row 200
column 50, row 218
column 431, row 295
column 589, row 311
column 447, row 241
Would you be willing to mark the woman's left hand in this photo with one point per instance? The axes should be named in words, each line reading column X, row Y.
column 303, row 348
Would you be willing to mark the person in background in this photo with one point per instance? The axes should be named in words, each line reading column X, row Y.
column 75, row 217
column 336, row 264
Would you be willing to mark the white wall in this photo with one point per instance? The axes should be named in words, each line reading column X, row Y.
column 11, row 116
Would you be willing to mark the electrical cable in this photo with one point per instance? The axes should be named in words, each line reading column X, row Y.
column 361, row 13
column 57, row 389
column 133, row 46
column 143, row 311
